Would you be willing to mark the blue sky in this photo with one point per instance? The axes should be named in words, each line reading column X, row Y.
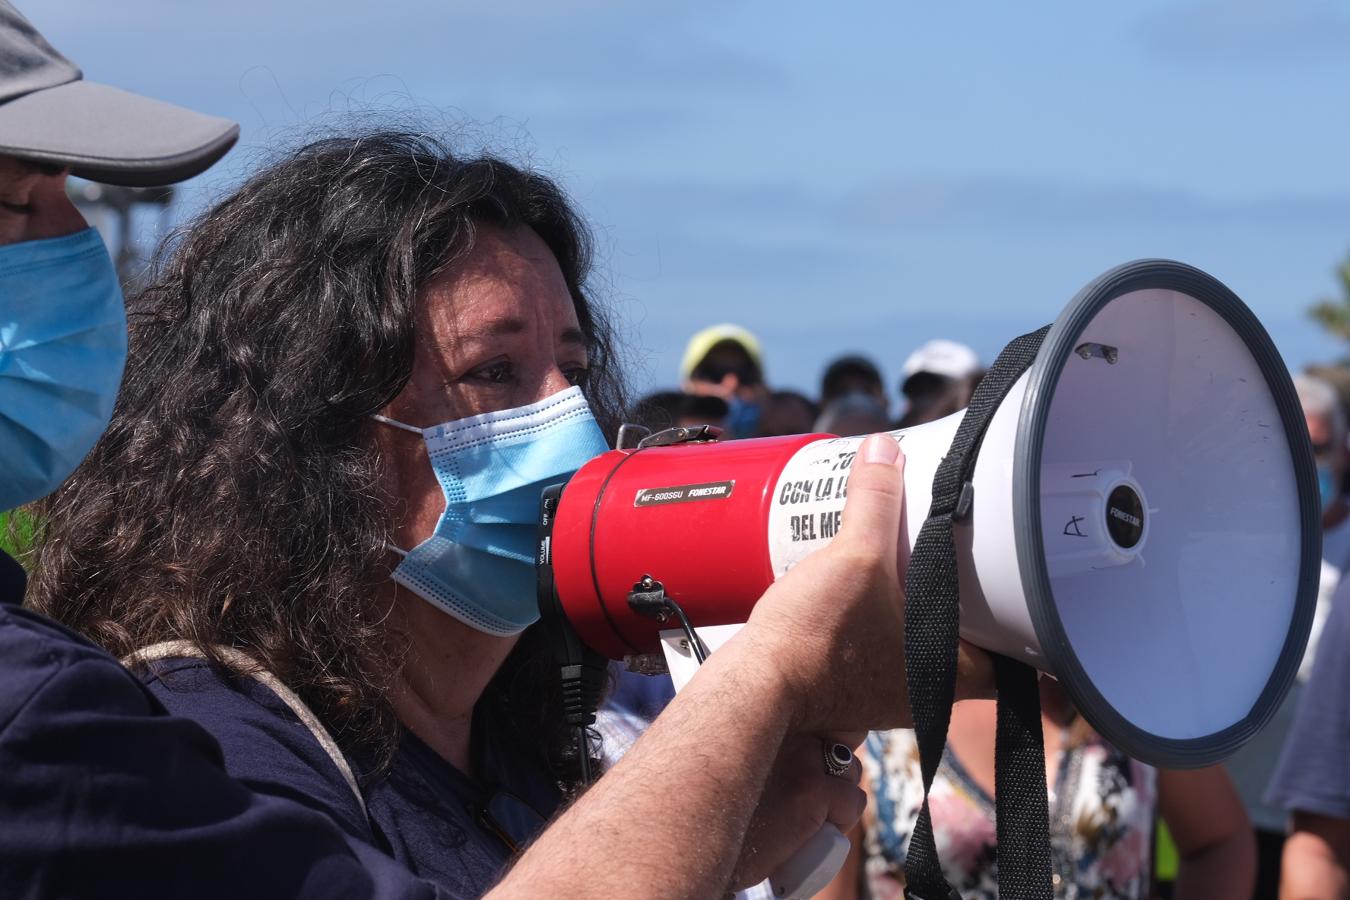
column 853, row 176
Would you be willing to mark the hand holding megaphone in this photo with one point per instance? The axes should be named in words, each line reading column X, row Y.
column 829, row 629
column 838, row 652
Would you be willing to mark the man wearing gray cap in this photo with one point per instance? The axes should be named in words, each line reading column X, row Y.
column 60, row 302
column 50, row 114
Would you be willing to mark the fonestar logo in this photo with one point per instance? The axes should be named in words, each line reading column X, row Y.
column 684, row 493
column 1125, row 517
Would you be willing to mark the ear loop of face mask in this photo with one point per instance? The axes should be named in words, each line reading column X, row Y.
column 392, row 548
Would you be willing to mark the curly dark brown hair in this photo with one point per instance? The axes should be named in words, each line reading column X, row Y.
column 234, row 498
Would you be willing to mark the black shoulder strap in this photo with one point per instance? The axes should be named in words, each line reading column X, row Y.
column 932, row 632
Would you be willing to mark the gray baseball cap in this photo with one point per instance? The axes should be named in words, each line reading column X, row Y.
column 49, row 113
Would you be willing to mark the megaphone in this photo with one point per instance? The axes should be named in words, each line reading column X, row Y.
column 1142, row 522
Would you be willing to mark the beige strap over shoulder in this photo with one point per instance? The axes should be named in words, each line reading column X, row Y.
column 247, row 667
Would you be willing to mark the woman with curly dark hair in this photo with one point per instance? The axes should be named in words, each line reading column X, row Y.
column 309, row 525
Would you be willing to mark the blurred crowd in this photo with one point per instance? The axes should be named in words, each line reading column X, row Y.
column 723, row 384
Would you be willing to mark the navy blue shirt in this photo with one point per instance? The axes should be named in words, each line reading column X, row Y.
column 1313, row 774
column 104, row 794
column 425, row 812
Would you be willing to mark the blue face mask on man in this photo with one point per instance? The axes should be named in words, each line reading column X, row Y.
column 1328, row 484
column 743, row 417
column 478, row 565
column 63, row 344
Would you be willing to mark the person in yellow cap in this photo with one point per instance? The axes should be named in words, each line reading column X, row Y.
column 726, row 361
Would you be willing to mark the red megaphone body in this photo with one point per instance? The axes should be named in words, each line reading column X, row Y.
column 693, row 515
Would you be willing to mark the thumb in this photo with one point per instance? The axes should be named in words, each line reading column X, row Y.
column 876, row 491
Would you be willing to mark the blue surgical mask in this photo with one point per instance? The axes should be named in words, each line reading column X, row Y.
column 478, row 565
column 742, row 417
column 1328, row 485
column 63, row 343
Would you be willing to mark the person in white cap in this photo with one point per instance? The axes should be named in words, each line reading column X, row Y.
column 937, row 380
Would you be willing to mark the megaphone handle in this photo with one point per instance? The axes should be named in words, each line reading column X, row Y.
column 812, row 867
column 815, row 864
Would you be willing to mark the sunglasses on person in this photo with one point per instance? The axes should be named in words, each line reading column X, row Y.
column 717, row 372
column 511, row 820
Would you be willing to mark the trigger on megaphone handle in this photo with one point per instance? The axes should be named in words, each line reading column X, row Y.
column 815, row 864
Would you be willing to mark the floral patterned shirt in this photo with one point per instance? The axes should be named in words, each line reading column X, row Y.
column 1101, row 822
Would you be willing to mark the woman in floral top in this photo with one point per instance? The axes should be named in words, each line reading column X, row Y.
column 1102, row 809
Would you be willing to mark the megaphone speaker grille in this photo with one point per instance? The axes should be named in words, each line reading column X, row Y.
column 1167, row 517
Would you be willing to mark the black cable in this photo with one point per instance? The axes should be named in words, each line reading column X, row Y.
column 695, row 645
column 584, row 754
column 649, row 598
column 581, row 670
